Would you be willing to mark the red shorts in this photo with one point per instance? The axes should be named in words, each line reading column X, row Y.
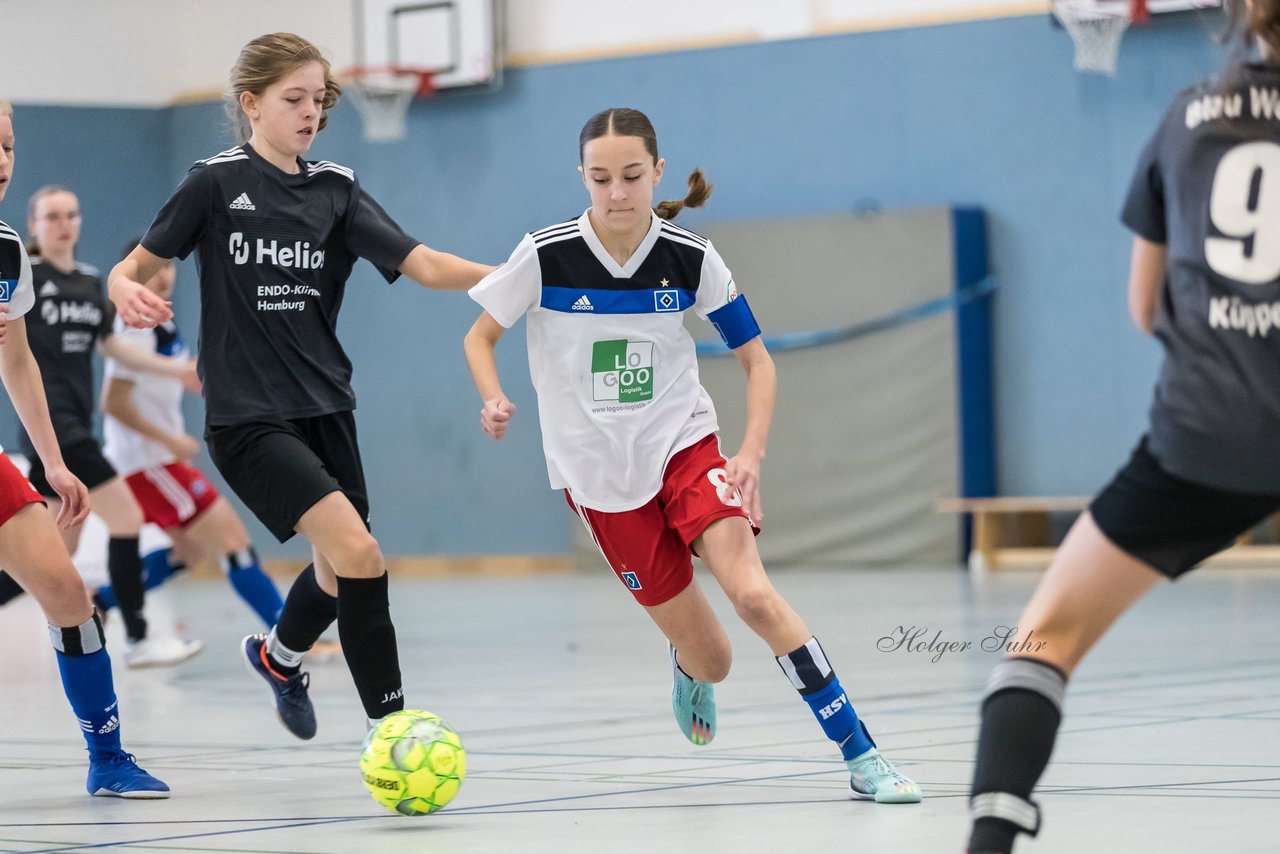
column 16, row 491
column 649, row 548
column 172, row 495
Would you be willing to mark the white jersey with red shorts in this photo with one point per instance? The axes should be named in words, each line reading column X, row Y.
column 171, row 492
column 628, row 430
column 18, row 296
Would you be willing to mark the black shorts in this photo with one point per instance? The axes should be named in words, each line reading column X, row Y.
column 280, row 469
column 84, row 459
column 1169, row 523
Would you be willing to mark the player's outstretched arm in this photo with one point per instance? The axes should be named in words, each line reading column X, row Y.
column 177, row 367
column 137, row 306
column 21, row 376
column 442, row 271
column 743, row 468
column 1146, row 278
column 117, row 401
column 480, row 345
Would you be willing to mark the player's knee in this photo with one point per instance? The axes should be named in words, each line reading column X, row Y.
column 235, row 540
column 360, row 558
column 126, row 520
column 717, row 669
column 62, row 597
column 756, row 604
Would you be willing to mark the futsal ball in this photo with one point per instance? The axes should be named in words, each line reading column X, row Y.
column 413, row 763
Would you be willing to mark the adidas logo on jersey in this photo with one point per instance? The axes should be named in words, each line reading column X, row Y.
column 242, row 203
column 48, row 289
column 110, row 726
column 583, row 304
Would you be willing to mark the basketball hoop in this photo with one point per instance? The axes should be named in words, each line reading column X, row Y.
column 1096, row 27
column 382, row 96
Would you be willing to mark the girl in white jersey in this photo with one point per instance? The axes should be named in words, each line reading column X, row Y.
column 630, row 434
column 30, row 546
column 145, row 439
column 1208, row 469
column 276, row 238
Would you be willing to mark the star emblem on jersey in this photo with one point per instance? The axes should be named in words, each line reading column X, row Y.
column 622, row 370
column 242, row 203
column 665, row 282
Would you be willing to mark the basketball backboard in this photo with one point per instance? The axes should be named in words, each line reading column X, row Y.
column 1108, row 8
column 456, row 39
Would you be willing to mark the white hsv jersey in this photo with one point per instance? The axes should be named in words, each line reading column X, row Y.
column 16, row 292
column 157, row 398
column 614, row 368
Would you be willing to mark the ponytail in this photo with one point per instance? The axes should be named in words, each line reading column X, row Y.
column 699, row 192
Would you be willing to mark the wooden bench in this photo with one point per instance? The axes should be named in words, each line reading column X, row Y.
column 1013, row 532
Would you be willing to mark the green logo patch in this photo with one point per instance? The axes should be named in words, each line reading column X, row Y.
column 622, row 370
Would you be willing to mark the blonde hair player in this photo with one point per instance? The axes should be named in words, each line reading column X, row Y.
column 29, row 542
column 1205, row 215
column 276, row 237
column 631, row 435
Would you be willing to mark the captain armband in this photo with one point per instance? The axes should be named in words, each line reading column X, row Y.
column 735, row 322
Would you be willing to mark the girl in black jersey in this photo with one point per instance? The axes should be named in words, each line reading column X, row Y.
column 276, row 237
column 29, row 544
column 1205, row 281
column 72, row 318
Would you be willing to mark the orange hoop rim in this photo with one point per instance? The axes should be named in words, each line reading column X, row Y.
column 426, row 87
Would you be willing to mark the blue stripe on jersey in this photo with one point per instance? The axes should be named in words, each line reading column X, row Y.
column 600, row 301
column 735, row 322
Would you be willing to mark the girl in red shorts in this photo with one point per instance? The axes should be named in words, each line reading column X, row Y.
column 30, row 547
column 631, row 435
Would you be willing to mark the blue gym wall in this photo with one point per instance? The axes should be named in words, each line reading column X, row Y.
column 987, row 113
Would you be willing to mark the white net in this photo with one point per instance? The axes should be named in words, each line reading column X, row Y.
column 382, row 98
column 1096, row 29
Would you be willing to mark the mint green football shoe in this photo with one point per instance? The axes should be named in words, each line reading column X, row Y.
column 694, row 705
column 873, row 776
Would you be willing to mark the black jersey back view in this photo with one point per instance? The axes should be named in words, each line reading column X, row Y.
column 1208, row 187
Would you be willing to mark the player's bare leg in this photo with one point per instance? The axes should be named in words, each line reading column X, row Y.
column 728, row 548
column 31, row 549
column 1089, row 584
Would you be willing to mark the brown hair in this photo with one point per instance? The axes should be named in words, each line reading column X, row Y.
column 621, row 121
column 33, row 247
column 1245, row 27
column 1264, row 22
column 263, row 62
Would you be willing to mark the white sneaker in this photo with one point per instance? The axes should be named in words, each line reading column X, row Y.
column 160, row 651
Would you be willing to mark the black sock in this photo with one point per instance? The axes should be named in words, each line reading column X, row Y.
column 124, row 568
column 1020, row 718
column 9, row 589
column 369, row 644
column 307, row 614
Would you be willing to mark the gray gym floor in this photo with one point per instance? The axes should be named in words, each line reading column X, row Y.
column 559, row 687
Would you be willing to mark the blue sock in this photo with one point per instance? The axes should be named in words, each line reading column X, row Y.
column 812, row 676
column 838, row 719
column 252, row 584
column 157, row 567
column 86, row 679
